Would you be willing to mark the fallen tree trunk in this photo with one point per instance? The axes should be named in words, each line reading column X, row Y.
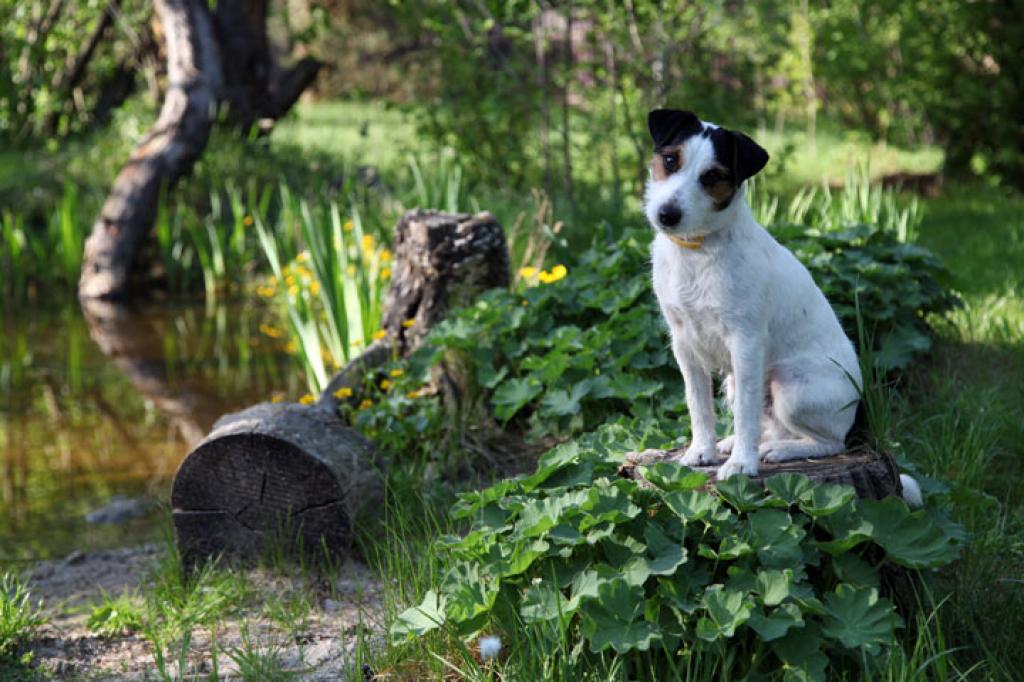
column 872, row 474
column 295, row 475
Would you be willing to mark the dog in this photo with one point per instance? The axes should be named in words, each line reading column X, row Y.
column 737, row 302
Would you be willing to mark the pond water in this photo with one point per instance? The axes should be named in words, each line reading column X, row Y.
column 106, row 402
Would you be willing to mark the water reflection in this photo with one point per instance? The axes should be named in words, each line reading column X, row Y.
column 107, row 401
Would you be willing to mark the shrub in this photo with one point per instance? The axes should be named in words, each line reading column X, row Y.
column 780, row 578
column 19, row 616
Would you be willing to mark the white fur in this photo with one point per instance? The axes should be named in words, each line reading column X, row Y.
column 743, row 305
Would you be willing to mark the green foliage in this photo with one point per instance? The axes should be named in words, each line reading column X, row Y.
column 781, row 577
column 19, row 616
column 116, row 616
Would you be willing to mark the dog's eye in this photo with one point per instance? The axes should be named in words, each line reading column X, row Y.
column 712, row 177
column 671, row 162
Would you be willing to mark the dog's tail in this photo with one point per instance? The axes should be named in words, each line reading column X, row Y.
column 911, row 492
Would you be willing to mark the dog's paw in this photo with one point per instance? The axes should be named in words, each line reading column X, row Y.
column 699, row 455
column 736, row 465
column 725, row 445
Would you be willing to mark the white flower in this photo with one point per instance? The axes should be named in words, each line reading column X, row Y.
column 489, row 647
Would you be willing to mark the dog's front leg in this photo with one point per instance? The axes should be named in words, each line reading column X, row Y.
column 700, row 401
column 747, row 356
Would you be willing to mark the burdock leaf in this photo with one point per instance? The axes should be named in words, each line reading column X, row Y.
column 776, row 623
column 544, row 602
column 726, row 611
column 740, row 492
column 825, row 499
column 421, row 619
column 513, row 394
column 773, row 586
column 789, row 487
column 909, row 538
column 801, row 656
column 695, row 505
column 858, row 617
column 776, row 538
column 671, row 476
column 615, row 620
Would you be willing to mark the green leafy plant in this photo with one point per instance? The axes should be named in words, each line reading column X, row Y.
column 783, row 577
column 116, row 616
column 19, row 615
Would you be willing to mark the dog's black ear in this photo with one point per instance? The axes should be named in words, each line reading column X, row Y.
column 748, row 157
column 667, row 124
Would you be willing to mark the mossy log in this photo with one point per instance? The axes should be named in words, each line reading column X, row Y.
column 872, row 474
column 295, row 475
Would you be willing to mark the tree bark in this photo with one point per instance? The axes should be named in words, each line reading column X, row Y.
column 872, row 474
column 296, row 476
column 224, row 56
column 165, row 154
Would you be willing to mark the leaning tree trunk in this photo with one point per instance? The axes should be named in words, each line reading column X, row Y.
column 211, row 58
column 296, row 475
column 165, row 154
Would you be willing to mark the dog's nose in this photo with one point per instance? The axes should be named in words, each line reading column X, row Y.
column 669, row 215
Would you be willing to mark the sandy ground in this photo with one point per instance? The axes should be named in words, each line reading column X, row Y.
column 64, row 649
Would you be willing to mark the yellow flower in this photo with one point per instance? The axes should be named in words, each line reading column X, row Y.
column 347, row 226
column 273, row 333
column 527, row 272
column 343, row 392
column 385, row 256
column 307, row 399
column 302, row 257
column 265, row 292
column 418, row 393
column 385, row 384
column 525, row 302
column 385, row 273
column 247, row 221
column 408, row 324
column 357, row 343
column 396, row 372
column 378, row 335
column 365, row 404
column 277, row 397
column 293, row 291
column 368, row 242
column 314, row 288
column 291, row 348
column 351, row 271
column 558, row 272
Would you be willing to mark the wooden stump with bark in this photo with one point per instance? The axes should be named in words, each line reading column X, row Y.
column 295, row 475
column 872, row 474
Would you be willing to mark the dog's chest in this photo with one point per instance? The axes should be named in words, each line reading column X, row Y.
column 692, row 298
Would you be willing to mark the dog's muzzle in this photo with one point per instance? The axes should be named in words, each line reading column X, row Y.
column 669, row 215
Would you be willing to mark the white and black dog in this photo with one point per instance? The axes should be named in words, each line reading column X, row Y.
column 738, row 302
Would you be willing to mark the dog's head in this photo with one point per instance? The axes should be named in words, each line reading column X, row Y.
column 696, row 172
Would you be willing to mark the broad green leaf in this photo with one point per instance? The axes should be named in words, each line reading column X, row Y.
column 777, row 622
column 740, row 492
column 607, row 502
column 848, row 529
column 695, row 505
column 789, row 487
column 850, row 568
column 825, row 499
column 544, row 602
column 467, row 592
column 801, row 656
column 615, row 619
column 551, row 461
column 776, row 539
column 562, row 403
column 419, row 620
column 539, row 516
column 858, row 617
column 671, row 476
column 661, row 556
column 726, row 610
column 773, row 586
column 512, row 395
column 908, row 538
column 732, row 547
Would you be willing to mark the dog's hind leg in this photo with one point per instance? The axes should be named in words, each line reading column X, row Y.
column 816, row 404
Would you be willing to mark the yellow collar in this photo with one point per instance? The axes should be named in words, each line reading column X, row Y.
column 693, row 243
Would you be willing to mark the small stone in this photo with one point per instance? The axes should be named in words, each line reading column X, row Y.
column 331, row 606
column 118, row 510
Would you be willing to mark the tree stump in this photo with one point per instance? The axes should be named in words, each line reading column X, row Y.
column 872, row 474
column 273, row 473
column 295, row 475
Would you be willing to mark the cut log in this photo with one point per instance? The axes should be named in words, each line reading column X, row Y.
column 872, row 474
column 294, row 475
column 273, row 474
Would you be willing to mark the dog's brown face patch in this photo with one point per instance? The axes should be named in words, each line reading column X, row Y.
column 666, row 161
column 719, row 185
